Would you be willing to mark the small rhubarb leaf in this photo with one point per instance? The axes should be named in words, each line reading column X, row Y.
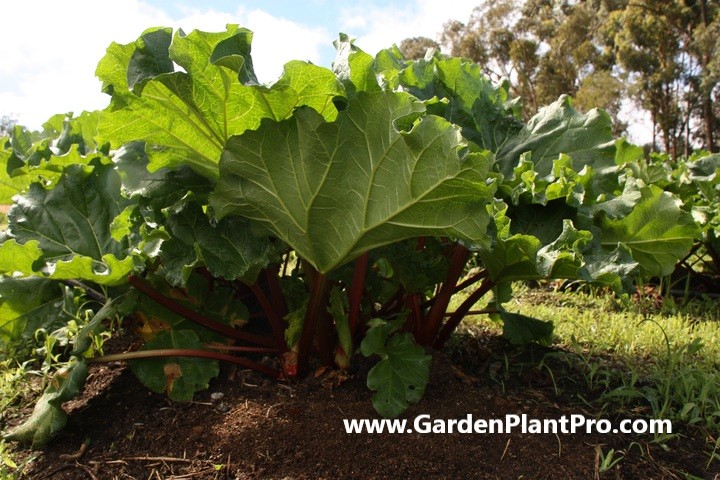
column 402, row 374
column 48, row 417
column 29, row 304
column 401, row 377
column 179, row 377
column 521, row 330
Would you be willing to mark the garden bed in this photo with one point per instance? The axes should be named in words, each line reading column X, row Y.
column 266, row 429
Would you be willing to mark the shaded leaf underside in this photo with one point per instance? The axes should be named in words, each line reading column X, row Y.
column 335, row 190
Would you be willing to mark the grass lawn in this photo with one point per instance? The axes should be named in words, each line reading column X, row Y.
column 650, row 357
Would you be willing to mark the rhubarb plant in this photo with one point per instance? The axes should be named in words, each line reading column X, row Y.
column 330, row 212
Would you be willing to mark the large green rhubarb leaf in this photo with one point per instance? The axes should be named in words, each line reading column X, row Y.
column 186, row 116
column 560, row 129
column 27, row 157
column 374, row 176
column 456, row 89
column 229, row 249
column 657, row 231
column 69, row 226
column 9, row 186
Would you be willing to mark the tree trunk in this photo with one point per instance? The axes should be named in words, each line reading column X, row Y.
column 707, row 104
column 709, row 121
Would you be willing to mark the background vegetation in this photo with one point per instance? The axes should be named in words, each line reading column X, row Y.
column 663, row 57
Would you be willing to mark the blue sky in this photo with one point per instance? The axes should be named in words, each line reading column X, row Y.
column 50, row 48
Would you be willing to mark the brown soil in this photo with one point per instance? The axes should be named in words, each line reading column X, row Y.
column 261, row 429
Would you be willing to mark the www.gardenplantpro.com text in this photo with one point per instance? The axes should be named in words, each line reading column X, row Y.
column 511, row 423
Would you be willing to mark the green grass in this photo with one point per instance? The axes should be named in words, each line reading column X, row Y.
column 7, row 464
column 16, row 390
column 600, row 325
column 660, row 359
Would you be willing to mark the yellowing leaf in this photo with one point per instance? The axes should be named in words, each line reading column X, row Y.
column 172, row 372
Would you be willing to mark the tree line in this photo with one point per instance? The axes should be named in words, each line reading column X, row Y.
column 662, row 56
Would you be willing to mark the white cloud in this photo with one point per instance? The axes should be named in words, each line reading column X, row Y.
column 639, row 123
column 380, row 27
column 278, row 40
column 49, row 60
column 275, row 40
column 53, row 48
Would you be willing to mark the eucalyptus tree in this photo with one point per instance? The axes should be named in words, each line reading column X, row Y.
column 545, row 49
